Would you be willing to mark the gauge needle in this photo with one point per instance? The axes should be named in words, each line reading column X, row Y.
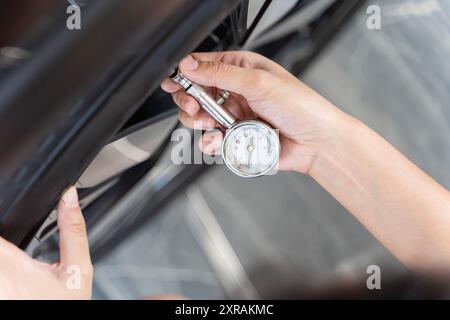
column 250, row 149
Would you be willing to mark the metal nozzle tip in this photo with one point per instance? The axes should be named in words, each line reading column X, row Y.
column 175, row 72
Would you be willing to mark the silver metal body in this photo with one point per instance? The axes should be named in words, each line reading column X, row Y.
column 214, row 107
column 208, row 103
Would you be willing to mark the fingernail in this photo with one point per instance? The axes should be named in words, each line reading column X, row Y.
column 189, row 63
column 70, row 197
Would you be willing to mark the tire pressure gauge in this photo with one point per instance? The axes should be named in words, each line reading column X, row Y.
column 250, row 148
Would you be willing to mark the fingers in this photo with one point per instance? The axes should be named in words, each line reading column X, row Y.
column 199, row 121
column 74, row 247
column 186, row 102
column 169, row 86
column 211, row 142
column 244, row 59
column 246, row 82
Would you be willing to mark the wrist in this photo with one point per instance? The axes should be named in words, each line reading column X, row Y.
column 336, row 129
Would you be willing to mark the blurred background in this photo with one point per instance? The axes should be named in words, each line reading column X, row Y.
column 228, row 237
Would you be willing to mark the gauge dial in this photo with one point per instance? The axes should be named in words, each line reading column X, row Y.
column 251, row 149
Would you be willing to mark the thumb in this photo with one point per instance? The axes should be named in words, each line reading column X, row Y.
column 224, row 76
column 74, row 247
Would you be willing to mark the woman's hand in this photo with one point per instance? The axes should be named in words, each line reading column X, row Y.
column 259, row 88
column 402, row 206
column 21, row 277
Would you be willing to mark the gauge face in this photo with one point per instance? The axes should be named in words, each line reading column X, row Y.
column 251, row 149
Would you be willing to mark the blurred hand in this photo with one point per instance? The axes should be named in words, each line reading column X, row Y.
column 259, row 88
column 21, row 277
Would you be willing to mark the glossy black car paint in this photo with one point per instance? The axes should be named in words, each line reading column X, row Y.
column 60, row 107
